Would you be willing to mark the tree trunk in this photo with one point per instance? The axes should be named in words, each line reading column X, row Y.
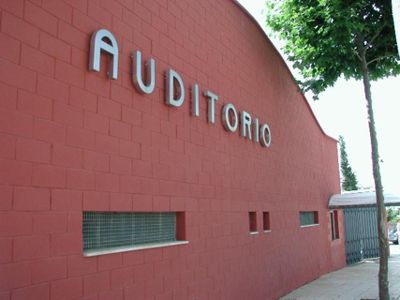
column 381, row 211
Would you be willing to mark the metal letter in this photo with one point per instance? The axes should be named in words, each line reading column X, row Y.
column 265, row 134
column 212, row 98
column 226, row 117
column 194, row 108
column 256, row 126
column 150, row 73
column 97, row 44
column 172, row 77
column 245, row 126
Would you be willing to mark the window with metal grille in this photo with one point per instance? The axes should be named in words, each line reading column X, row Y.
column 308, row 218
column 109, row 232
column 334, row 224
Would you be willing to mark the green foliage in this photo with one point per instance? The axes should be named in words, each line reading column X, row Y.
column 326, row 39
column 393, row 215
column 349, row 180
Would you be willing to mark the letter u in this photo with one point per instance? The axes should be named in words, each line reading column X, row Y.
column 137, row 77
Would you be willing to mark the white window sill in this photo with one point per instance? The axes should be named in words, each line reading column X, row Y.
column 89, row 253
column 267, row 231
column 311, row 225
column 253, row 232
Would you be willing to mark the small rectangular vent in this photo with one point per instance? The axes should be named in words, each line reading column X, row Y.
column 266, row 221
column 253, row 222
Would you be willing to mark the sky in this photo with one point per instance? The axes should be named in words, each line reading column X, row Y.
column 341, row 110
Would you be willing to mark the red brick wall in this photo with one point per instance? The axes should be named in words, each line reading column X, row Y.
column 73, row 140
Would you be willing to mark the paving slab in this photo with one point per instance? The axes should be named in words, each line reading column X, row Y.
column 355, row 282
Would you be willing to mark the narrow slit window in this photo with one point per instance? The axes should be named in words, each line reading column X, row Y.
column 253, row 222
column 266, row 221
column 109, row 232
column 308, row 218
column 334, row 225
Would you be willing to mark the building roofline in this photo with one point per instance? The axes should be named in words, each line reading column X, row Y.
column 361, row 199
column 252, row 19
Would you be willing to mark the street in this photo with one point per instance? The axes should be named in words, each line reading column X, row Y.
column 394, row 250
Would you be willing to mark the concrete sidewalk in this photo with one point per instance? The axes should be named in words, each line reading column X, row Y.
column 359, row 281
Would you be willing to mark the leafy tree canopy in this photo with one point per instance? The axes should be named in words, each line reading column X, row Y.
column 329, row 38
column 393, row 215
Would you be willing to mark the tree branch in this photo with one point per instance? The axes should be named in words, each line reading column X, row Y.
column 378, row 32
column 361, row 49
column 358, row 55
column 377, row 58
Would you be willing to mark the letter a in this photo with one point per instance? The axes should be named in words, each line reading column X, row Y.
column 97, row 44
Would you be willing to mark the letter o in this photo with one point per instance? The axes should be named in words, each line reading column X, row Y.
column 226, row 120
column 265, row 136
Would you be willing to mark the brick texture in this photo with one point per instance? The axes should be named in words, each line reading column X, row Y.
column 73, row 140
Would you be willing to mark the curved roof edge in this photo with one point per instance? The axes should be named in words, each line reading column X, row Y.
column 285, row 64
column 361, row 199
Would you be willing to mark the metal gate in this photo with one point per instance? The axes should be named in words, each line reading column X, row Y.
column 361, row 232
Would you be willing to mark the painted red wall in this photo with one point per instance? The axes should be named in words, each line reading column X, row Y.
column 73, row 140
